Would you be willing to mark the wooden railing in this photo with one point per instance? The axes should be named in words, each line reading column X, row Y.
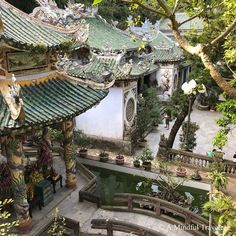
column 88, row 191
column 112, row 225
column 161, row 209
column 198, row 160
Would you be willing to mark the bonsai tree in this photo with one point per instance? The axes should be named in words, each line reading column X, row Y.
column 104, row 156
column 82, row 140
column 189, row 144
column 136, row 161
column 143, row 118
column 196, row 175
column 146, row 155
column 153, row 105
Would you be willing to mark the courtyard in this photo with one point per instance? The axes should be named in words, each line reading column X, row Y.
column 117, row 118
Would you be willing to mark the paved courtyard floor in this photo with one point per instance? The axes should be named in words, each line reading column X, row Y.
column 68, row 201
column 208, row 128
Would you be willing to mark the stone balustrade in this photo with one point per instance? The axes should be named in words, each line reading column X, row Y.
column 192, row 159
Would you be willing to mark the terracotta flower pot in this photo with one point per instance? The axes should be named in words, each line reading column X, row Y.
column 120, row 160
column 83, row 153
column 181, row 172
column 104, row 157
column 147, row 165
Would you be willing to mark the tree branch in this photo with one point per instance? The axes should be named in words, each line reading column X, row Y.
column 164, row 6
column 228, row 30
column 176, row 6
column 145, row 7
column 189, row 19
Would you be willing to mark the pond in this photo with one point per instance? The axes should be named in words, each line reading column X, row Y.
column 110, row 182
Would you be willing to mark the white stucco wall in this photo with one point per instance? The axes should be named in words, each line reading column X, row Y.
column 106, row 119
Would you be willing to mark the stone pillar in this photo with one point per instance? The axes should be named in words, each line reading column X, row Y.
column 69, row 156
column 14, row 151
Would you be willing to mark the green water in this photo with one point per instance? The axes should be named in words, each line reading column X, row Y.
column 110, row 182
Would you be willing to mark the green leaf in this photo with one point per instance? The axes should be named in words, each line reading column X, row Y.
column 95, row 2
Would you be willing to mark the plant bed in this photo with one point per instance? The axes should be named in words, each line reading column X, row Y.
column 83, row 153
column 120, row 160
column 181, row 172
column 146, row 158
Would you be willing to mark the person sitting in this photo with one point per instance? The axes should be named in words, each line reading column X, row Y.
column 219, row 153
column 211, row 153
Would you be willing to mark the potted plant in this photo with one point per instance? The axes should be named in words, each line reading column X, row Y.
column 143, row 119
column 196, row 176
column 104, row 156
column 153, row 105
column 136, row 162
column 202, row 102
column 190, row 143
column 181, row 171
column 120, row 159
column 146, row 158
column 83, row 142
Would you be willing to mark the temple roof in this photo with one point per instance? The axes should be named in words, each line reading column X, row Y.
column 166, row 50
column 49, row 102
column 23, row 31
column 103, row 35
column 95, row 69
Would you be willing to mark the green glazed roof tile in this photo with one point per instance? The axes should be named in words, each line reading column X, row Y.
column 95, row 68
column 48, row 102
column 103, row 35
column 20, row 29
column 165, row 49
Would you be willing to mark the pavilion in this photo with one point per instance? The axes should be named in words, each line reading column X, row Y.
column 34, row 95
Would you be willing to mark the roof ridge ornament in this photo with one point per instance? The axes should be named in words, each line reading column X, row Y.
column 147, row 32
column 12, row 97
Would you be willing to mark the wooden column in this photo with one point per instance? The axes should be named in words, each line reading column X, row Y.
column 14, row 151
column 69, row 156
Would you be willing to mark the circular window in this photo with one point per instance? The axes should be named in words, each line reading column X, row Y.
column 130, row 108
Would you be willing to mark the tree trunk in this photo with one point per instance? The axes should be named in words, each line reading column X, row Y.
column 178, row 122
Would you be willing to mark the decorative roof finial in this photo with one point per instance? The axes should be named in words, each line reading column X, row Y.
column 12, row 97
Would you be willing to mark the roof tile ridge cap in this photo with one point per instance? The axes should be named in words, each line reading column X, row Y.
column 35, row 20
column 86, row 82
